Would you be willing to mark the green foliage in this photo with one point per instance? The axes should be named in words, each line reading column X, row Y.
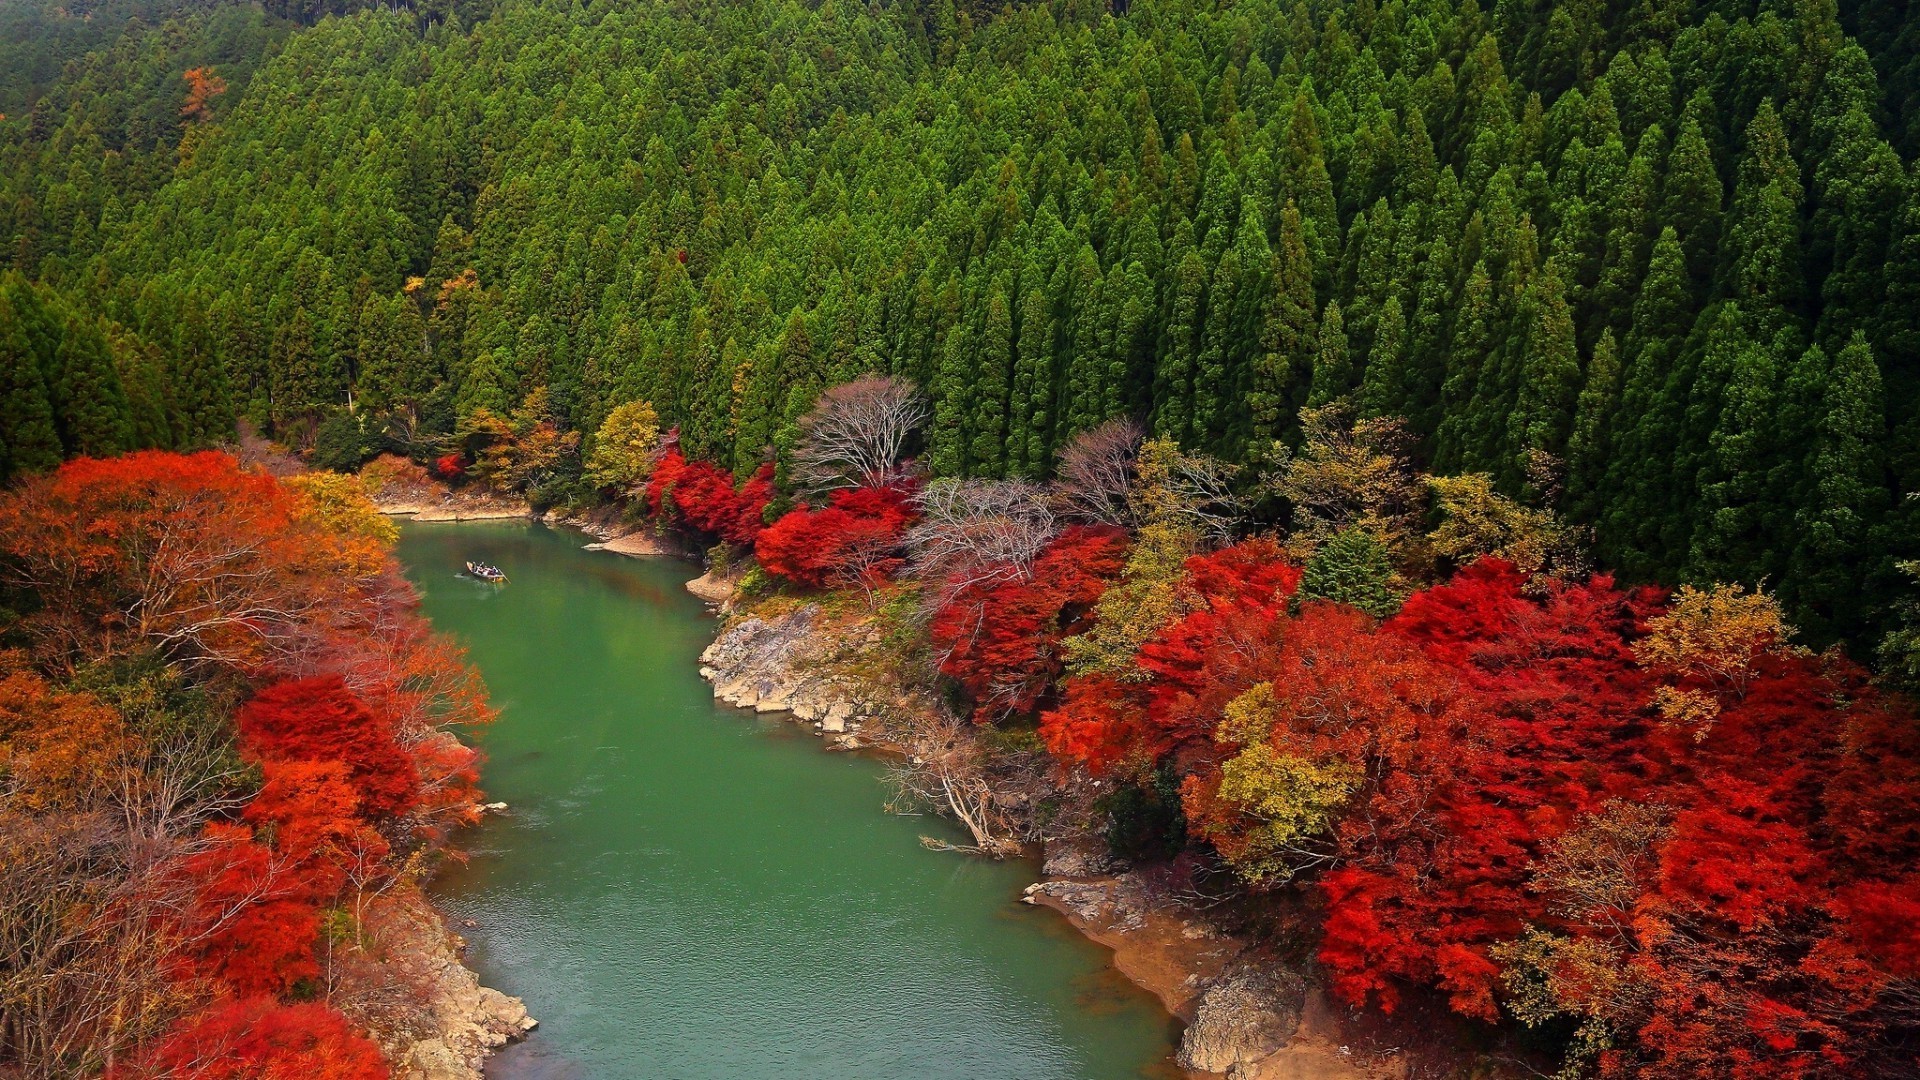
column 1145, row 820
column 342, row 442
column 1353, row 567
column 1046, row 216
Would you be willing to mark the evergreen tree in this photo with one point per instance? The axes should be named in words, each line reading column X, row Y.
column 1032, row 399
column 1352, row 567
column 1550, row 376
column 1693, row 197
column 1173, row 393
column 1591, row 441
column 1735, row 523
column 1834, row 525
column 28, row 441
column 1383, row 387
column 89, row 405
column 1332, row 362
column 1287, row 334
column 992, row 364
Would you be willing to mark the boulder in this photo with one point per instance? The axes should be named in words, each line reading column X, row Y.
column 1245, row 1016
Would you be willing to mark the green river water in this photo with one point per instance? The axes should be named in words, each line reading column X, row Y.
column 683, row 891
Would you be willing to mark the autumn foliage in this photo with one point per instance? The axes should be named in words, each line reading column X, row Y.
column 1000, row 639
column 705, row 497
column 854, row 539
column 1490, row 801
column 191, row 585
column 257, row 1038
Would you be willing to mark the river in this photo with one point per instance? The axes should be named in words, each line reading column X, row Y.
column 683, row 891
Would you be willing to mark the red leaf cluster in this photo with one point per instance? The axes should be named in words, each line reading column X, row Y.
column 705, row 496
column 257, row 1038
column 319, row 719
column 1000, row 640
column 1749, row 886
column 237, row 578
column 854, row 539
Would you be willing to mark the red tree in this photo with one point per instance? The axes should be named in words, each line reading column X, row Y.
column 1001, row 640
column 318, row 719
column 707, row 499
column 854, row 539
column 257, row 1038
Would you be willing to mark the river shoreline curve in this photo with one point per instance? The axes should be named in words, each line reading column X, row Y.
column 1245, row 1015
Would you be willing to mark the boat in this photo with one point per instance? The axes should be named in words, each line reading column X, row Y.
column 486, row 573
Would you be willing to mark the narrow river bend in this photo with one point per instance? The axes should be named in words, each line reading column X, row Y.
column 688, row 892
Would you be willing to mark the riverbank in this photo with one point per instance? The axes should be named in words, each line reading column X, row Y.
column 441, row 1024
column 1248, row 1013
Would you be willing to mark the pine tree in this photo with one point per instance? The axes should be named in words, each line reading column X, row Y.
column 1332, row 362
column 1173, row 388
column 1287, row 334
column 1352, row 567
column 991, row 367
column 1304, row 181
column 1383, row 387
column 952, row 401
column 1589, row 445
column 1834, row 522
column 1734, row 530
column 1032, row 399
column 1218, row 340
column 1694, row 194
column 89, row 404
column 28, row 441
column 1550, row 376
column 1763, row 231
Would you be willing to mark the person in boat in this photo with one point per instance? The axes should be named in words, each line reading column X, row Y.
column 485, row 572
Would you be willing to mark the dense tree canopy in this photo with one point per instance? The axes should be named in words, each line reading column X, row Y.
column 1668, row 256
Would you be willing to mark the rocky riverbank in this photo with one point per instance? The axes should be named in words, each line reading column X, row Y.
column 1248, row 1014
column 410, row 986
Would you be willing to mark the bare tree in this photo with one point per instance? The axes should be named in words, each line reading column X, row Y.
column 856, row 434
column 975, row 532
column 1094, row 474
column 947, row 772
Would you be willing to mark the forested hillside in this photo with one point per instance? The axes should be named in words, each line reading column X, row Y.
column 1656, row 261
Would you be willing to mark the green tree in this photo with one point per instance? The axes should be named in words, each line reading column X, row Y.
column 1354, row 568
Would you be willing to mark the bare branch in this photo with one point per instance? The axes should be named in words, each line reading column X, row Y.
column 856, row 434
column 1094, row 474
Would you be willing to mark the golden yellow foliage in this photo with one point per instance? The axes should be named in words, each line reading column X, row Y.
column 1272, row 812
column 1477, row 521
column 625, row 447
column 1147, row 597
column 1714, row 634
column 1352, row 474
column 57, row 749
column 340, row 504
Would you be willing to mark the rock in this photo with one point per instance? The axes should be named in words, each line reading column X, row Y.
column 433, row 1060
column 1245, row 1016
column 455, row 1021
column 836, row 719
column 1078, row 856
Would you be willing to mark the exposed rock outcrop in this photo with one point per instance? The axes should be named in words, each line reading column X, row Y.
column 442, row 1023
column 1243, row 1017
column 775, row 665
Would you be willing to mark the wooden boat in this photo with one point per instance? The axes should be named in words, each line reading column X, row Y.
column 486, row 573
